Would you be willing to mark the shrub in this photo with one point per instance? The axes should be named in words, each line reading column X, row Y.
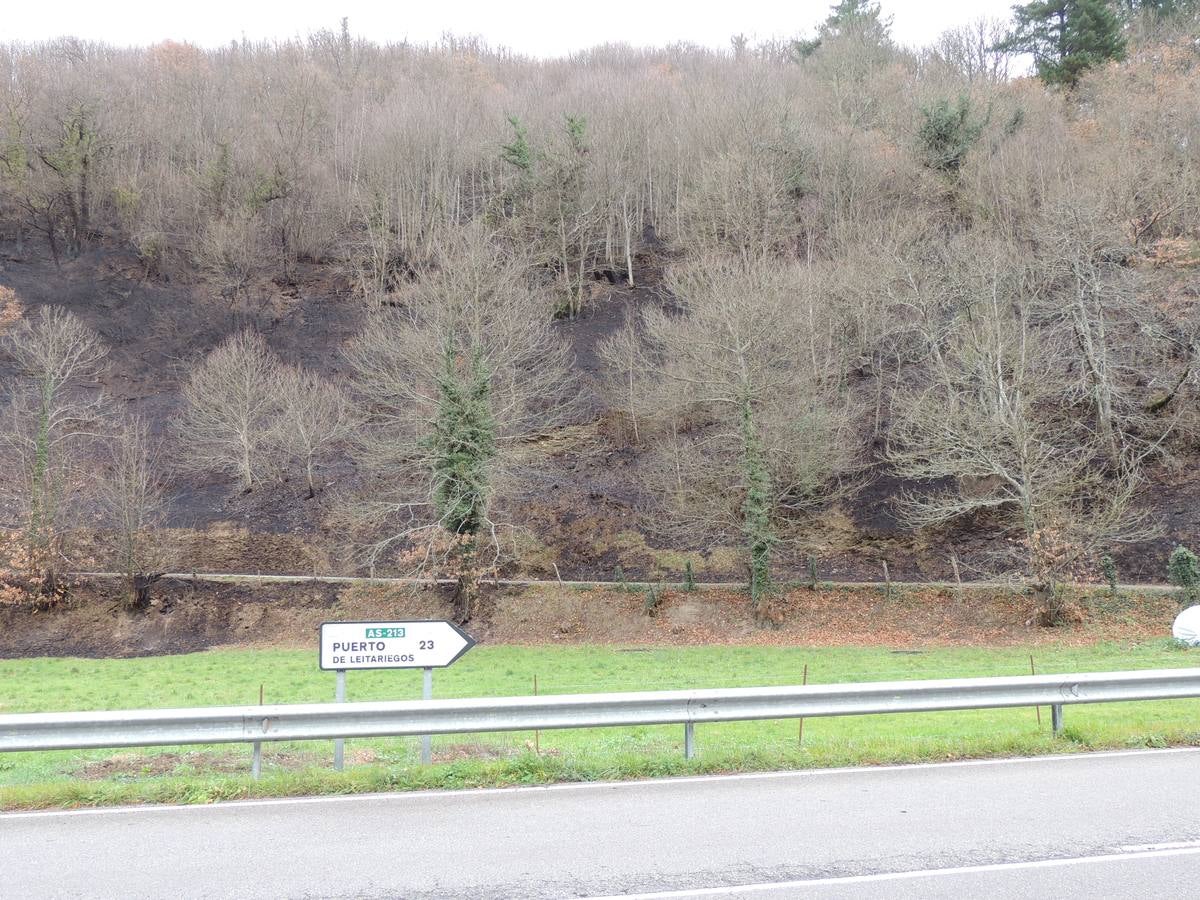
column 653, row 599
column 947, row 134
column 1183, row 570
column 1109, row 567
column 689, row 577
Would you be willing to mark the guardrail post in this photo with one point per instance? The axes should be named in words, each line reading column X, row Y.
column 689, row 740
column 1056, row 718
column 427, row 740
column 339, row 745
column 256, row 758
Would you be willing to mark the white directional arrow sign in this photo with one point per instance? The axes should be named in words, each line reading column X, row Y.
column 392, row 645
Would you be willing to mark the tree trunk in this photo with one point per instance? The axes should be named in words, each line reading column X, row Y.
column 52, row 238
column 465, row 591
column 139, row 589
column 85, row 211
column 756, row 513
column 466, row 588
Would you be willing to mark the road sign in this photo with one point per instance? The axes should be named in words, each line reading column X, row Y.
column 392, row 645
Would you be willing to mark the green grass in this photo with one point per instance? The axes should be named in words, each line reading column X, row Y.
column 291, row 676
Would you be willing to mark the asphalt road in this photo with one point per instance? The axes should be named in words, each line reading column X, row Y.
column 1100, row 825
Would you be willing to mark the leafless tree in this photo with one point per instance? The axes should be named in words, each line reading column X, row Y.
column 450, row 384
column 314, row 417
column 130, row 494
column 1090, row 298
column 991, row 423
column 971, row 50
column 230, row 401
column 754, row 434
column 624, row 354
column 53, row 412
column 550, row 209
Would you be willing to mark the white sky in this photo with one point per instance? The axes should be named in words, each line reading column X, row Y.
column 538, row 28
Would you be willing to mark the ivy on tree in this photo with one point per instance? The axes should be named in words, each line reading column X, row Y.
column 462, row 445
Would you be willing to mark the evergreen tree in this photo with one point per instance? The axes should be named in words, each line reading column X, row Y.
column 861, row 18
column 518, row 153
column 1065, row 37
column 947, row 133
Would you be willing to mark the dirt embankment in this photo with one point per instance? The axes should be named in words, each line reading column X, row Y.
column 194, row 615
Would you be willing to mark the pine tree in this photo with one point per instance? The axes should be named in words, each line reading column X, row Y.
column 518, row 153
column 859, row 16
column 862, row 18
column 1066, row 37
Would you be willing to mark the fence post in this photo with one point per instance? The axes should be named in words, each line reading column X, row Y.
column 339, row 745
column 689, row 740
column 1056, row 718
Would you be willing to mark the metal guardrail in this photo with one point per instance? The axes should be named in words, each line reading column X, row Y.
column 317, row 721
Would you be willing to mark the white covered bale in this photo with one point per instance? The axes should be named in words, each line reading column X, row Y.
column 1187, row 626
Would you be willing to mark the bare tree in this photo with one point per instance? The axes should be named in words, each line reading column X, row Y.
column 130, row 494
column 314, row 417
column 755, row 435
column 230, row 252
column 1088, row 296
column 11, row 309
column 230, row 402
column 623, row 352
column 971, row 50
column 53, row 412
column 991, row 424
column 550, row 209
column 449, row 385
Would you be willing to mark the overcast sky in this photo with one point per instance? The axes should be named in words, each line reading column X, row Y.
column 539, row 28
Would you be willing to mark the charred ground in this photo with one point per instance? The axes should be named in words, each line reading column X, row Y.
column 582, row 516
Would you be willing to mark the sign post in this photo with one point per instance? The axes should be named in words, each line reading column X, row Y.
column 424, row 645
column 339, row 746
column 427, row 740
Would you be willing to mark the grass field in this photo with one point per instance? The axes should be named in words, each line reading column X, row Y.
column 291, row 676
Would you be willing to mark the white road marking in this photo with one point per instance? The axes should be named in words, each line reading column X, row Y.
column 453, row 794
column 902, row 876
column 1169, row 845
